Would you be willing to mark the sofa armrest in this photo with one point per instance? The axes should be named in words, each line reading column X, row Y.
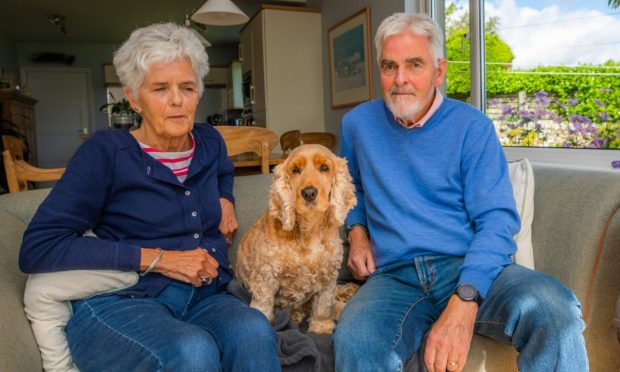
column 576, row 228
column 617, row 319
column 576, row 239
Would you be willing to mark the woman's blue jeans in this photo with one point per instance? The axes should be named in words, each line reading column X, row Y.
column 384, row 324
column 183, row 329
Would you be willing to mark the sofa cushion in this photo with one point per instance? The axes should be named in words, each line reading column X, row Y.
column 522, row 179
column 46, row 305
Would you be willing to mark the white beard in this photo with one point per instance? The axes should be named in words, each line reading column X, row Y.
column 406, row 107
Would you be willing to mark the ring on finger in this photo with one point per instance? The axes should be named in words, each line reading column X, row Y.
column 206, row 280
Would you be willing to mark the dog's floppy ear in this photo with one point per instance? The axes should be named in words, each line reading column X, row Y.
column 342, row 197
column 281, row 202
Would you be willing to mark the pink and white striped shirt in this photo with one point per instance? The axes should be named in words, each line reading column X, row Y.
column 177, row 161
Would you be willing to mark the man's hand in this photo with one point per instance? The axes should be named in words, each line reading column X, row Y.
column 228, row 225
column 360, row 262
column 449, row 340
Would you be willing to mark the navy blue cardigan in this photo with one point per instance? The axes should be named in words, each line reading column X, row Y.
column 130, row 201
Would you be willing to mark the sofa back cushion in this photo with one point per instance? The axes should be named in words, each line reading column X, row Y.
column 18, row 350
column 251, row 201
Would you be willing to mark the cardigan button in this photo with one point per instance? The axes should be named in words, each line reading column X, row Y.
column 196, row 236
column 188, row 192
column 194, row 214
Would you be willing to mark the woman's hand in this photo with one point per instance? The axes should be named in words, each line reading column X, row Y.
column 228, row 225
column 185, row 266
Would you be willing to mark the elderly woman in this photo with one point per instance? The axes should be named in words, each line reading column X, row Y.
column 159, row 199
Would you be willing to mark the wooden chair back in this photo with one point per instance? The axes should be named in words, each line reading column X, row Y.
column 289, row 140
column 15, row 146
column 19, row 173
column 326, row 139
column 257, row 140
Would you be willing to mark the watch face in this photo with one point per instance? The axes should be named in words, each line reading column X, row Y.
column 467, row 292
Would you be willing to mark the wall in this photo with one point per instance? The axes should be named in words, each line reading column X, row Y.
column 93, row 56
column 8, row 63
column 335, row 11
column 89, row 56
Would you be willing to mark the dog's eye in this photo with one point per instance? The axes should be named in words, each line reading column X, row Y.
column 296, row 170
column 324, row 168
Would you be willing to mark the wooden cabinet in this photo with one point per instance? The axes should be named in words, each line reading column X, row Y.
column 280, row 48
column 19, row 110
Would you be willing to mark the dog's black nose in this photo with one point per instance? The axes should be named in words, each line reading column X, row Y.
column 309, row 193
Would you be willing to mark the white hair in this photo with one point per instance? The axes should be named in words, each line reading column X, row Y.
column 420, row 24
column 163, row 43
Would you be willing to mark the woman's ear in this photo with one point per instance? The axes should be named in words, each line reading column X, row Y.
column 133, row 102
column 343, row 191
column 281, row 203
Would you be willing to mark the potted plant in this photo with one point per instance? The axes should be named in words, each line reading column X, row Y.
column 121, row 114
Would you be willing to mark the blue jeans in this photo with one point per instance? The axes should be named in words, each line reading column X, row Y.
column 384, row 324
column 183, row 329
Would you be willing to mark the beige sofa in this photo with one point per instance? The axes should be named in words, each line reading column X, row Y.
column 576, row 238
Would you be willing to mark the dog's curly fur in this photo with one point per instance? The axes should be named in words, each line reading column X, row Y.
column 291, row 256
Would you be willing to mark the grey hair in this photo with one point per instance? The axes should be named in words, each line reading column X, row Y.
column 163, row 43
column 420, row 24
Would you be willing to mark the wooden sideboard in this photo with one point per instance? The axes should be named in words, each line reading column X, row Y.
column 19, row 110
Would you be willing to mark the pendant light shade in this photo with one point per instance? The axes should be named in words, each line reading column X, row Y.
column 219, row 13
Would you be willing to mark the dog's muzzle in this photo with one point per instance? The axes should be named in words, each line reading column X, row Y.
column 309, row 193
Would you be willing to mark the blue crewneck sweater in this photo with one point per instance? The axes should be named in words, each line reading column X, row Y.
column 442, row 189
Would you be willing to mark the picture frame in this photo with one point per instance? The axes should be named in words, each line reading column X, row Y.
column 350, row 78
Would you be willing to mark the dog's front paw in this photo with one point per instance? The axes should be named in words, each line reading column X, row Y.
column 322, row 326
column 266, row 310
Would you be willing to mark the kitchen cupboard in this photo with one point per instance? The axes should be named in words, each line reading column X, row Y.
column 281, row 62
column 18, row 109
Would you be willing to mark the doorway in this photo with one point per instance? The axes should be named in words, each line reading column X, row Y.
column 63, row 111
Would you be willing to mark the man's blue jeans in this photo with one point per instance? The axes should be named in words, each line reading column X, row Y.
column 183, row 329
column 384, row 324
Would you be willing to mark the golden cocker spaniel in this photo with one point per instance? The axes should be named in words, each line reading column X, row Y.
column 291, row 256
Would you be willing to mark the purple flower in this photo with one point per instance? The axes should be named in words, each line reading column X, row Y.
column 506, row 110
column 596, row 143
column 599, row 103
column 542, row 98
column 604, row 90
column 495, row 101
column 526, row 115
column 604, row 116
column 540, row 113
column 579, row 119
column 572, row 102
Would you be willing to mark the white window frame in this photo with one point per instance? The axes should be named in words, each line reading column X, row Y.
column 571, row 158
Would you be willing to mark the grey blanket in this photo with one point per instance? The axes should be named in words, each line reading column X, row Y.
column 298, row 351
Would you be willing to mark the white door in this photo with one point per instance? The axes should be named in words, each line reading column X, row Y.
column 62, row 111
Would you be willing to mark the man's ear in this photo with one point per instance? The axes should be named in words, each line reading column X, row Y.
column 132, row 101
column 440, row 72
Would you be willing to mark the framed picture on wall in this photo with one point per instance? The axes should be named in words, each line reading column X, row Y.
column 350, row 79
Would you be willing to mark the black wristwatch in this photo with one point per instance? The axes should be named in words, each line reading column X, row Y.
column 468, row 292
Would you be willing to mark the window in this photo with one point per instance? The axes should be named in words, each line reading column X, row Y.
column 551, row 78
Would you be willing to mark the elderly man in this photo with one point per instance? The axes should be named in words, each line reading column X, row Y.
column 432, row 231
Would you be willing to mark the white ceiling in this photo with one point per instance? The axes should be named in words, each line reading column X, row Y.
column 108, row 21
